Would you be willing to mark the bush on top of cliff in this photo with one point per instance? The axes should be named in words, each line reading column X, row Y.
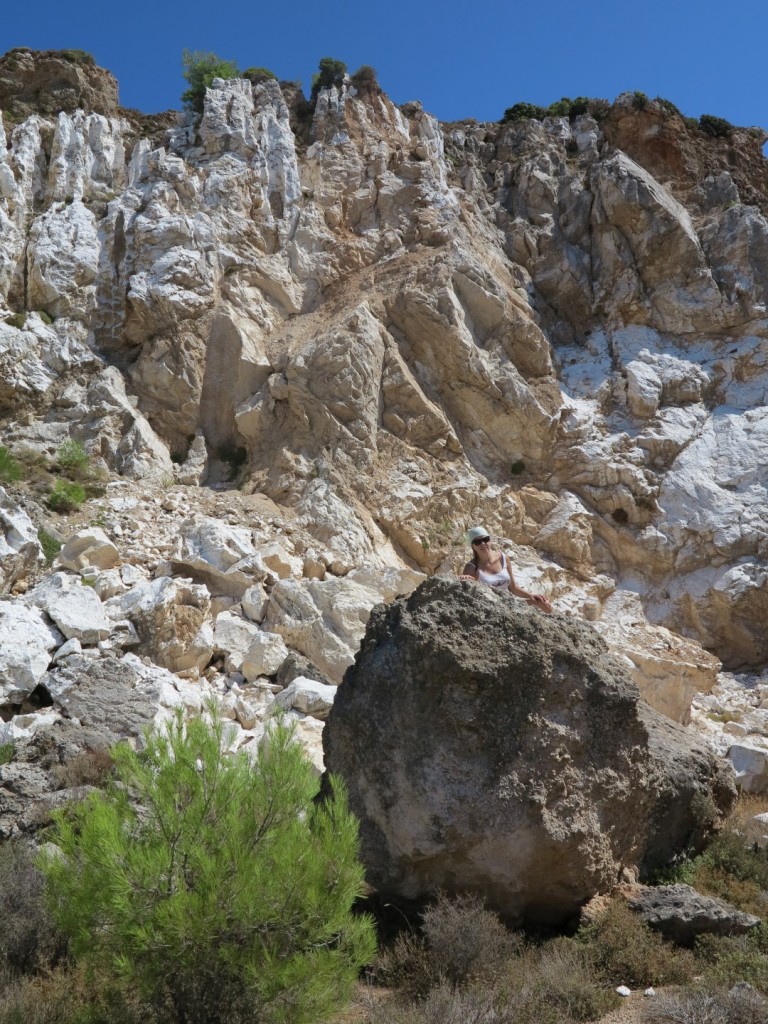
column 330, row 72
column 565, row 107
column 717, row 127
column 200, row 67
column 366, row 81
column 257, row 75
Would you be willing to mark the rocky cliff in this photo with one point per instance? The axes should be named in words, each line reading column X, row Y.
column 387, row 329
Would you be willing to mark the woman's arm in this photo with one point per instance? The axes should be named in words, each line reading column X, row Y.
column 469, row 572
column 535, row 599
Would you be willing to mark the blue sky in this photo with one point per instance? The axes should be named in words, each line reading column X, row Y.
column 459, row 59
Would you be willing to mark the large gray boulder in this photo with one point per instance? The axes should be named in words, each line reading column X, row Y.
column 491, row 748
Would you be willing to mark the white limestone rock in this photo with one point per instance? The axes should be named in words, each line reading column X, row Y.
column 20, row 550
column 325, row 619
column 89, row 547
column 254, row 602
column 74, row 607
column 233, row 636
column 171, row 618
column 750, row 762
column 24, row 727
column 63, row 260
column 34, row 357
column 265, row 655
column 669, row 670
column 26, row 642
column 223, row 557
column 308, row 696
column 127, row 441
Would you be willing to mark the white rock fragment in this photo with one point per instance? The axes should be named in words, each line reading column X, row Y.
column 264, row 657
column 750, row 763
column 90, row 547
column 75, row 608
column 233, row 636
column 624, row 991
column 26, row 640
column 308, row 696
column 254, row 602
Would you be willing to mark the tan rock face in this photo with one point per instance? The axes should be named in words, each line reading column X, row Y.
column 48, row 81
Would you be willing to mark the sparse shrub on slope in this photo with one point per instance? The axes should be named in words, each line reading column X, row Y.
column 199, row 69
column 72, row 459
column 10, row 470
column 213, row 886
column 65, row 497
column 717, row 127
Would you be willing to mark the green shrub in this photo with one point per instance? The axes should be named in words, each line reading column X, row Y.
column 621, row 947
column 214, row 886
column 65, row 497
column 50, row 545
column 199, row 70
column 72, row 459
column 565, row 107
column 7, row 752
column 17, row 320
column 330, row 72
column 726, row 960
column 46, row 317
column 639, row 100
column 717, row 127
column 10, row 470
column 524, row 112
column 256, row 75
column 730, row 868
column 365, row 80
column 78, row 56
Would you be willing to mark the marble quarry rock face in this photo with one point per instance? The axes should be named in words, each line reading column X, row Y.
column 307, row 345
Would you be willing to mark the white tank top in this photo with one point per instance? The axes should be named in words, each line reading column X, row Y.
column 496, row 580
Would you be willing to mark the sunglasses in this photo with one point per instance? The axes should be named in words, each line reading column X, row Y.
column 481, row 540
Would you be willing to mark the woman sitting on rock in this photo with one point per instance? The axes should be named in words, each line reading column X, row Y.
column 492, row 568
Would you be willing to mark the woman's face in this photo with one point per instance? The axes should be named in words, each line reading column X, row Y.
column 482, row 544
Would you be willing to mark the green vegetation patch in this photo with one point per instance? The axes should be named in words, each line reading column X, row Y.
column 228, row 895
column 199, row 68
column 10, row 470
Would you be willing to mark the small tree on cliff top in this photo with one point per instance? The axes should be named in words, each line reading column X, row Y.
column 213, row 885
column 199, row 69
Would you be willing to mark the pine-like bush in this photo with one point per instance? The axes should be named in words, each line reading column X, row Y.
column 213, row 885
column 199, row 69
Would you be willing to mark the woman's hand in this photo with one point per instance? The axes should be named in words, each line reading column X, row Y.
column 540, row 602
column 468, row 577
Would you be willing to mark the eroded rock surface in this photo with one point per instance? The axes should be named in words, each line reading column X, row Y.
column 489, row 747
